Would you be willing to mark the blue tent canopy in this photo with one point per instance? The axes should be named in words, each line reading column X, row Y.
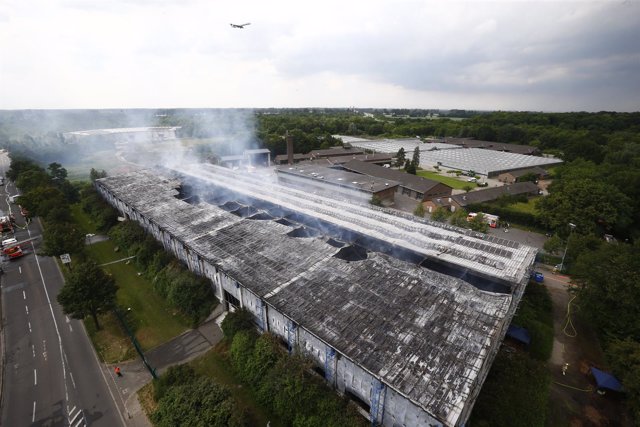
column 519, row 334
column 606, row 380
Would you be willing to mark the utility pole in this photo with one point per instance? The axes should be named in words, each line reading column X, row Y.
column 572, row 226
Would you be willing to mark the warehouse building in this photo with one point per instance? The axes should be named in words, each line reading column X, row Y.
column 401, row 315
column 416, row 187
column 325, row 180
column 138, row 134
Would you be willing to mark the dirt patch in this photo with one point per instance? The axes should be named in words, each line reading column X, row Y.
column 572, row 398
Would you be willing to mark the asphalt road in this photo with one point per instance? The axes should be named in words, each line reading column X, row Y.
column 51, row 375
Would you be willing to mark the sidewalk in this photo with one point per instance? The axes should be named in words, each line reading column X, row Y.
column 135, row 375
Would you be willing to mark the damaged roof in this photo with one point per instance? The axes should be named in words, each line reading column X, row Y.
column 423, row 333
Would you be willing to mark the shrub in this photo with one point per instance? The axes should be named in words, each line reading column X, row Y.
column 240, row 320
column 174, row 376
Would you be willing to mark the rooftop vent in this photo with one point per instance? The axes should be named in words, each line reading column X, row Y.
column 352, row 253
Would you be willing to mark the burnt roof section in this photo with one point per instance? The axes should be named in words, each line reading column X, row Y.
column 413, row 182
column 337, row 177
column 488, row 194
column 443, row 242
column 425, row 334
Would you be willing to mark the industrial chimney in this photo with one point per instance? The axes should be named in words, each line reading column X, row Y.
column 289, row 140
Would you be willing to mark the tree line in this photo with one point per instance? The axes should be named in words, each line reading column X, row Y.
column 88, row 290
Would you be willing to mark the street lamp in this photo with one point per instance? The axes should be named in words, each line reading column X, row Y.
column 572, row 226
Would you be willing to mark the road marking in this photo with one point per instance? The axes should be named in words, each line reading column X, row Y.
column 24, row 295
column 33, row 417
column 69, row 323
column 27, row 309
column 70, row 328
column 35, row 377
column 20, row 269
column 53, row 317
column 72, row 380
column 29, row 323
column 44, row 350
column 33, row 350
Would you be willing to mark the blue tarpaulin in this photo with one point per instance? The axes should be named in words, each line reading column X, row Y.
column 606, row 380
column 519, row 334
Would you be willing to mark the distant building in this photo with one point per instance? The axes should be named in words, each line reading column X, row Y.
column 413, row 186
column 253, row 157
column 334, row 152
column 493, row 193
column 139, row 134
column 489, row 145
column 515, row 175
column 282, row 159
column 325, row 180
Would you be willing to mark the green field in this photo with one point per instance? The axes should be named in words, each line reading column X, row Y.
column 528, row 207
column 152, row 319
column 455, row 183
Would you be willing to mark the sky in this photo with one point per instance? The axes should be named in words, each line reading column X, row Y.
column 478, row 55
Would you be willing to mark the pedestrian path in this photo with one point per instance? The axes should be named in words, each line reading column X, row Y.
column 183, row 348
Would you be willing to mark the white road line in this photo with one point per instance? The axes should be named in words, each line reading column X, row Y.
column 35, row 377
column 72, row 380
column 70, row 328
column 33, row 417
column 29, row 323
column 24, row 295
column 27, row 309
column 33, row 350
column 20, row 269
column 55, row 323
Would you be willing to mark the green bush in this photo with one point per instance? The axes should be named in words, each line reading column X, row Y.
column 239, row 320
column 515, row 394
column 536, row 315
column 174, row 376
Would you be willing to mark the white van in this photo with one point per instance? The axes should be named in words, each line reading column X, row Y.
column 9, row 242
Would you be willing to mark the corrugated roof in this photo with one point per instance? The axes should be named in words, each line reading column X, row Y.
column 425, row 334
column 413, row 182
column 493, row 193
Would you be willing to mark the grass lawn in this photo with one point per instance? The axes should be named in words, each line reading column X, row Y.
column 82, row 220
column 214, row 364
column 528, row 207
column 111, row 343
column 153, row 320
column 445, row 179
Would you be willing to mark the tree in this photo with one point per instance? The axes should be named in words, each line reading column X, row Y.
column 467, row 188
column 478, row 223
column 62, row 238
column 419, row 210
column 57, row 171
column 459, row 218
column 624, row 356
column 415, row 160
column 587, row 203
column 609, row 288
column 88, row 291
column 440, row 214
column 199, row 403
column 400, row 158
column 95, row 174
column 409, row 167
column 375, row 200
column 554, row 244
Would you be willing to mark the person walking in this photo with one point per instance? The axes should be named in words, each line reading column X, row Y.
column 117, row 371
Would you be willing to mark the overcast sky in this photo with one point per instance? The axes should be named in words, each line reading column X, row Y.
column 510, row 55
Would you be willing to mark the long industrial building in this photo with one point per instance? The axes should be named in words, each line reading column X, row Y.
column 402, row 315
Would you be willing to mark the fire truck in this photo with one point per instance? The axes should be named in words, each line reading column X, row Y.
column 13, row 252
column 492, row 220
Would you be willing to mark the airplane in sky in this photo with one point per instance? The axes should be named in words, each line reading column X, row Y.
column 240, row 25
